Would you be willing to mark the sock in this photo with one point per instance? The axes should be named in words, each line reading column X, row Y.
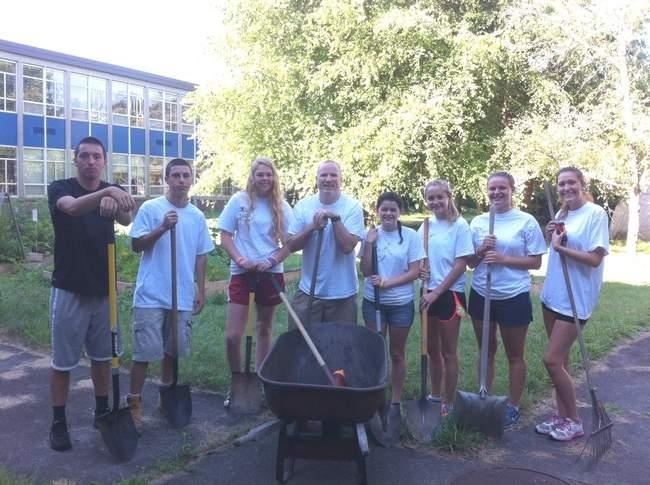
column 58, row 413
column 101, row 404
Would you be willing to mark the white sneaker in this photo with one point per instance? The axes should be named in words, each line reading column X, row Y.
column 567, row 430
column 549, row 425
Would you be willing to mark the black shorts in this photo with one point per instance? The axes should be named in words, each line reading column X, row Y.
column 564, row 318
column 510, row 312
column 448, row 305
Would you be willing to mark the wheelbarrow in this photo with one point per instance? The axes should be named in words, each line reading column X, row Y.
column 298, row 392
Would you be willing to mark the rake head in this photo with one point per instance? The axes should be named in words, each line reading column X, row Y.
column 600, row 439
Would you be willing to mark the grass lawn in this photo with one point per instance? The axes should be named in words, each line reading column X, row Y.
column 623, row 310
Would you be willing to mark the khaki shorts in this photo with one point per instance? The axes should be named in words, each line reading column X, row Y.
column 78, row 321
column 151, row 334
column 341, row 310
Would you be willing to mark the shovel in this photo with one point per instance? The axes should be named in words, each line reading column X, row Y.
column 482, row 412
column 422, row 416
column 386, row 423
column 117, row 427
column 314, row 275
column 245, row 388
column 175, row 400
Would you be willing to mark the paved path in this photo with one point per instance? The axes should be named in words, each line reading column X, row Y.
column 623, row 379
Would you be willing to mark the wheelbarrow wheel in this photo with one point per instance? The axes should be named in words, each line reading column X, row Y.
column 281, row 458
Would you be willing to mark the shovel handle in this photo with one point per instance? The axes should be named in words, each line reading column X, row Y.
column 314, row 274
column 375, row 270
column 485, row 334
column 305, row 335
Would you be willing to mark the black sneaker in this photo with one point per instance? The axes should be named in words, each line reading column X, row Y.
column 59, row 437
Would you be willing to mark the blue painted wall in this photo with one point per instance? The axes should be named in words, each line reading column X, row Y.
column 79, row 131
column 188, row 147
column 34, row 131
column 100, row 130
column 8, row 129
column 55, row 133
column 156, row 143
column 171, row 144
column 120, row 139
column 137, row 141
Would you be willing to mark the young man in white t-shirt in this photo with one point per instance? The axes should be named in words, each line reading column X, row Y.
column 337, row 283
column 152, row 296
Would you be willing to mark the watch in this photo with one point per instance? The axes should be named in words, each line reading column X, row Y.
column 335, row 219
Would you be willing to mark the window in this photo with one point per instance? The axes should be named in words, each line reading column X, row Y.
column 120, row 104
column 33, row 89
column 137, row 175
column 171, row 117
column 41, row 167
column 7, row 86
column 54, row 93
column 128, row 171
column 188, row 121
column 156, row 178
column 136, row 106
column 43, row 91
column 121, row 169
column 156, row 118
column 79, row 96
column 8, row 180
column 98, row 100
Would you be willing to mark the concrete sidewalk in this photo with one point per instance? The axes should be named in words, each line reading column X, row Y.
column 623, row 379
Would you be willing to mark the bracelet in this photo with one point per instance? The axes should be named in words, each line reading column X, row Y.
column 272, row 261
column 335, row 219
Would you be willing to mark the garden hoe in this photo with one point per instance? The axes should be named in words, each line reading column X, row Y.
column 423, row 416
column 246, row 393
column 117, row 427
column 175, row 400
column 386, row 423
column 600, row 438
column 482, row 412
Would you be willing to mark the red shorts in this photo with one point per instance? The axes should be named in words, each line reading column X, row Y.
column 241, row 284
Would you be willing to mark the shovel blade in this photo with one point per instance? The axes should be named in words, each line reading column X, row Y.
column 385, row 425
column 119, row 433
column 483, row 414
column 246, row 393
column 422, row 418
column 176, row 404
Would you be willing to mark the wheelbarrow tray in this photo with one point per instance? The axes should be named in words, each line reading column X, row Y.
column 296, row 387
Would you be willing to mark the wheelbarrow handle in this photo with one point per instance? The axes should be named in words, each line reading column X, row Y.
column 305, row 335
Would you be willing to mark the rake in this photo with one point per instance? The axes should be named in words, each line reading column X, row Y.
column 600, row 438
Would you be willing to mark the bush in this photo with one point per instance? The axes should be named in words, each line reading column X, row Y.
column 36, row 236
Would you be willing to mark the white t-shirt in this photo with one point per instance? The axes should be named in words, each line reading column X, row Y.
column 447, row 241
column 587, row 229
column 337, row 272
column 252, row 230
column 518, row 234
column 393, row 259
column 153, row 287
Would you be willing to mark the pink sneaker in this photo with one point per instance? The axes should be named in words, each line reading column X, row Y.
column 445, row 409
column 549, row 425
column 567, row 430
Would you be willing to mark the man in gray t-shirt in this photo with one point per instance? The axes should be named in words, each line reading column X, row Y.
column 337, row 282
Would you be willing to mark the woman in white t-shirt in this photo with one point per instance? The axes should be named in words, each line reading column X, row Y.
column 253, row 229
column 399, row 252
column 450, row 243
column 582, row 238
column 515, row 248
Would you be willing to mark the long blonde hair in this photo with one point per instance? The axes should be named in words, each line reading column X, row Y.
column 276, row 200
column 452, row 210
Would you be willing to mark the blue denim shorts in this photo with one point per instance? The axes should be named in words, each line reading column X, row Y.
column 393, row 315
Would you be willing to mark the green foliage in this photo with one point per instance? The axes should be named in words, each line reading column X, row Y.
column 36, row 236
column 453, row 438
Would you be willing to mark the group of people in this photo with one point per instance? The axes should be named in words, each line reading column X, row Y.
column 258, row 230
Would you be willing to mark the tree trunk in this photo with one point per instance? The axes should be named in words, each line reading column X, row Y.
column 633, row 197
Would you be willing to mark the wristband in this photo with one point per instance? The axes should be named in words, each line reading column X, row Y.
column 272, row 261
column 335, row 219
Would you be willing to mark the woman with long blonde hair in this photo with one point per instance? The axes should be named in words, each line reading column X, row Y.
column 253, row 229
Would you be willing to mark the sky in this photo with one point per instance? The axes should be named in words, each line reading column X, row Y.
column 169, row 38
